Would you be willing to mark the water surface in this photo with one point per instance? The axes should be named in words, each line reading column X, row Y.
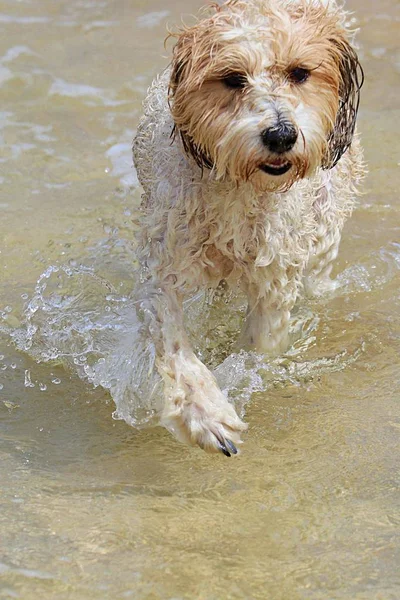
column 92, row 509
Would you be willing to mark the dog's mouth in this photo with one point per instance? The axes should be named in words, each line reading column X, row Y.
column 276, row 167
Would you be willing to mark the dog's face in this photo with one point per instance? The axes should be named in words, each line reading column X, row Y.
column 265, row 90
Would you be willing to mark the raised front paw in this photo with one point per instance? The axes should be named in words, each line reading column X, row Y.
column 198, row 413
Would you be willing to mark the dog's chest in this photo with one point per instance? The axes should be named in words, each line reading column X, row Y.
column 217, row 265
column 233, row 234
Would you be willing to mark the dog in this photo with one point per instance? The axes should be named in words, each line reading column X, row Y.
column 250, row 163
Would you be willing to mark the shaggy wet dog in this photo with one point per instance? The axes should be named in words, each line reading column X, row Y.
column 249, row 162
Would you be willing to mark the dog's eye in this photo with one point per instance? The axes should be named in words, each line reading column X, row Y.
column 235, row 80
column 299, row 75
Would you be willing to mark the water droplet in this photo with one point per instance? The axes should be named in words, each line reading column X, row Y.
column 24, row 296
column 42, row 387
column 28, row 381
column 56, row 381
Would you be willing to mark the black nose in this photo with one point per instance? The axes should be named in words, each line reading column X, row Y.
column 279, row 139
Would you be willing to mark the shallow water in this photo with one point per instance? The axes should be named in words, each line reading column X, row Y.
column 92, row 508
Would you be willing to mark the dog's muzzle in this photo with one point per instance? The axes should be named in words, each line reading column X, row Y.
column 276, row 168
column 279, row 139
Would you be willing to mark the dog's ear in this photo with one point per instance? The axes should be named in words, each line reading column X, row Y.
column 181, row 59
column 184, row 76
column 351, row 81
column 177, row 68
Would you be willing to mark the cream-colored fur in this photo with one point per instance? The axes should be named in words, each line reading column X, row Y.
column 216, row 205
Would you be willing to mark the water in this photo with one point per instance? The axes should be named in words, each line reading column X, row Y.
column 92, row 508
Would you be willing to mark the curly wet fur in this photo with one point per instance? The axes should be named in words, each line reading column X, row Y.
column 211, row 213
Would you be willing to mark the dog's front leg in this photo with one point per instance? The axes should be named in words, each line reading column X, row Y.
column 195, row 411
column 266, row 328
column 317, row 277
column 330, row 220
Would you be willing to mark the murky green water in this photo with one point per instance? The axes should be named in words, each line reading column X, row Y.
column 92, row 509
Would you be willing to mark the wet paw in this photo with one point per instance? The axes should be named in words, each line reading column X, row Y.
column 199, row 414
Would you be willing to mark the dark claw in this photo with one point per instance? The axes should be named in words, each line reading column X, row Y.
column 231, row 446
column 223, row 448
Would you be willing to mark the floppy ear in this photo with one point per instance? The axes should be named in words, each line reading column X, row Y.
column 183, row 71
column 182, row 58
column 351, row 81
column 180, row 62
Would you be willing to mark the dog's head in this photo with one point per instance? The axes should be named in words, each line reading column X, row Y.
column 266, row 90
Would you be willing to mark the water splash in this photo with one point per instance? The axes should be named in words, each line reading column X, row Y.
column 78, row 319
column 95, row 326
